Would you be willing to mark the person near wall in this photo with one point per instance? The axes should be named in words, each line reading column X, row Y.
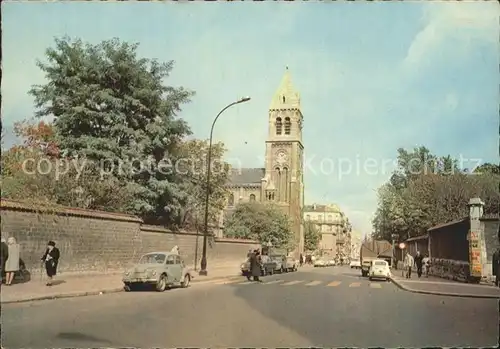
column 3, row 258
column 175, row 249
column 51, row 259
column 12, row 262
column 408, row 264
column 419, row 263
column 427, row 265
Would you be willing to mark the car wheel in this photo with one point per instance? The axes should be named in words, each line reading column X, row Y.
column 186, row 282
column 370, row 278
column 161, row 285
column 127, row 288
column 271, row 272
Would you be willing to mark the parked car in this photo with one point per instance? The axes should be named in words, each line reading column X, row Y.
column 161, row 269
column 268, row 265
column 280, row 263
column 379, row 270
column 355, row 264
column 291, row 264
column 331, row 263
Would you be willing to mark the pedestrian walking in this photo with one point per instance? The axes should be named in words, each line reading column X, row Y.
column 4, row 254
column 419, row 263
column 301, row 259
column 12, row 262
column 51, row 259
column 408, row 264
column 427, row 265
column 496, row 266
column 255, row 265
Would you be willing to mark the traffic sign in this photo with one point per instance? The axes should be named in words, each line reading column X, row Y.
column 402, row 245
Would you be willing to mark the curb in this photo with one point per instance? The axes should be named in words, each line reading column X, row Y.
column 65, row 295
column 449, row 294
column 99, row 292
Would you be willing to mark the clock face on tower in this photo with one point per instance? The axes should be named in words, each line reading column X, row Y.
column 281, row 157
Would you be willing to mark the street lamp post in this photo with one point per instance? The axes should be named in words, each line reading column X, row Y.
column 203, row 269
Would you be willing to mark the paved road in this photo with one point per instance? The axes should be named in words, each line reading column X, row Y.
column 350, row 312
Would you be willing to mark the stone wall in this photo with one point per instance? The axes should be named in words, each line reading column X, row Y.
column 103, row 242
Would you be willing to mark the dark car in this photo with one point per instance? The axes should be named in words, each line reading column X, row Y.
column 268, row 265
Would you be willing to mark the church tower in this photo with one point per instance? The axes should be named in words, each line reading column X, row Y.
column 283, row 181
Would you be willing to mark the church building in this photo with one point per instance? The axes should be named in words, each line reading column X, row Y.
column 281, row 180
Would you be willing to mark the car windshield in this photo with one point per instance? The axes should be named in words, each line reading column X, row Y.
column 153, row 258
column 380, row 264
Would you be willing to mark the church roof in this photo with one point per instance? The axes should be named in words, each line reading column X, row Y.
column 286, row 96
column 242, row 176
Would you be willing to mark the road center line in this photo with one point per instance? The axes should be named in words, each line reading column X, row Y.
column 314, row 283
column 355, row 284
column 375, row 286
column 334, row 283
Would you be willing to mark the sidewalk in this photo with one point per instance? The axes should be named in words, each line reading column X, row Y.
column 67, row 286
column 443, row 287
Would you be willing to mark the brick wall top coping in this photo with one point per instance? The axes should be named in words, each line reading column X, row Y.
column 158, row 229
column 63, row 210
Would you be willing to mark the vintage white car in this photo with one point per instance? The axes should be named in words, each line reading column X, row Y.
column 161, row 269
column 319, row 263
column 355, row 264
column 379, row 270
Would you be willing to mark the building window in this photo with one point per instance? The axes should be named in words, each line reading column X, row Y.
column 288, row 126
column 279, row 126
column 252, row 197
column 231, row 200
column 330, row 218
column 283, row 99
column 308, row 217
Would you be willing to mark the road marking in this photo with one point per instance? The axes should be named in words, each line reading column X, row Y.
column 245, row 283
column 355, row 284
column 292, row 283
column 227, row 282
column 375, row 285
column 273, row 282
column 314, row 283
column 334, row 283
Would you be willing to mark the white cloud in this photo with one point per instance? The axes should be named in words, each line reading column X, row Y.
column 465, row 21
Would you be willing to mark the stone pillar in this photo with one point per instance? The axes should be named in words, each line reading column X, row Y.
column 477, row 245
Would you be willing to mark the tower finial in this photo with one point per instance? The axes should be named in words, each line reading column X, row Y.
column 286, row 67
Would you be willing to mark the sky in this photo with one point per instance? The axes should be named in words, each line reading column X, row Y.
column 373, row 77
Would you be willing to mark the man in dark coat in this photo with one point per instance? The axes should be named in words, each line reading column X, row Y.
column 3, row 258
column 496, row 266
column 419, row 263
column 255, row 265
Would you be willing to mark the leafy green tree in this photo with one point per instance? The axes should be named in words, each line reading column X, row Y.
column 312, row 236
column 488, row 168
column 112, row 108
column 192, row 167
column 34, row 171
column 262, row 222
column 418, row 200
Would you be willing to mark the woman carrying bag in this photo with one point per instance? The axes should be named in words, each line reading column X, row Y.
column 51, row 259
